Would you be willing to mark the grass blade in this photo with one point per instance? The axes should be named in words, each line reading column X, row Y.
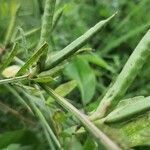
column 32, row 59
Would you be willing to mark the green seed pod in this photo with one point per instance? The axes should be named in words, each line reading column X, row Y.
column 131, row 109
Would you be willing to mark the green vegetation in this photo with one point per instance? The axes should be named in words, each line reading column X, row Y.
column 74, row 75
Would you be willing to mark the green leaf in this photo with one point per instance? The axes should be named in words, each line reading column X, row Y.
column 95, row 59
column 76, row 45
column 66, row 88
column 89, row 144
column 32, row 59
column 80, row 71
column 52, row 72
column 128, row 110
column 75, row 144
column 43, row 79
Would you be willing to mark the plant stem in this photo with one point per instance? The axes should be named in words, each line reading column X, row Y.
column 125, row 78
column 42, row 120
column 50, row 143
column 27, row 34
column 98, row 134
column 15, row 79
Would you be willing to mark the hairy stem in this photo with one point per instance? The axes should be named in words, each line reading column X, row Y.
column 47, row 24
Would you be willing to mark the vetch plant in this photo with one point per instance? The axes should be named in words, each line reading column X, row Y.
column 33, row 85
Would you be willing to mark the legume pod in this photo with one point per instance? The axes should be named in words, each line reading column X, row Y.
column 129, row 110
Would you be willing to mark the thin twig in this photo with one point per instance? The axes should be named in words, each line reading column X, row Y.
column 14, row 79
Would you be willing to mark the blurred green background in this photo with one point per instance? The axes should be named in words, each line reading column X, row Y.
column 93, row 71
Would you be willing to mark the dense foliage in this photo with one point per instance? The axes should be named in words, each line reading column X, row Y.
column 74, row 74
